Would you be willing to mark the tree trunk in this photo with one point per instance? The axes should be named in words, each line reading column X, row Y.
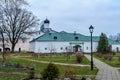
column 13, row 47
column 3, row 53
column 3, row 41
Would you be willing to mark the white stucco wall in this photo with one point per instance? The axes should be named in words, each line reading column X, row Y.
column 32, row 46
column 87, row 47
column 47, row 47
column 115, row 46
column 24, row 45
column 58, row 46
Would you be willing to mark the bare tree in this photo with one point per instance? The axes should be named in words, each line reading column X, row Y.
column 118, row 37
column 51, row 48
column 68, row 51
column 115, row 37
column 17, row 21
column 3, row 42
column 2, row 32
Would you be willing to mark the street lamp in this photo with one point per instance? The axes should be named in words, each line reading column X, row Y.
column 91, row 31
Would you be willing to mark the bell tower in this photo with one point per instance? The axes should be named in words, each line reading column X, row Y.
column 45, row 26
column 46, row 23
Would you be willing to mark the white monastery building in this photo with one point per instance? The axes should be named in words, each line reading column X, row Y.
column 66, row 42
column 53, row 41
column 46, row 40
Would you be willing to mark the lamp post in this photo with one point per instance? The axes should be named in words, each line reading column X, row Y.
column 91, row 31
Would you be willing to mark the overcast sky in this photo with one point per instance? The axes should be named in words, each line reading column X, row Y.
column 78, row 15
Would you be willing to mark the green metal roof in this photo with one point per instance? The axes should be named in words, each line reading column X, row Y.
column 60, row 36
column 113, row 42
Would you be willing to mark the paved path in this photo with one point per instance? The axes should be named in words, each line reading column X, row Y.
column 106, row 72
column 4, row 72
column 66, row 64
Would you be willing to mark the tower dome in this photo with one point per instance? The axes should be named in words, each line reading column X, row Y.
column 46, row 21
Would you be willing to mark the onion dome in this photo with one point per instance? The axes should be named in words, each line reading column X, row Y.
column 46, row 21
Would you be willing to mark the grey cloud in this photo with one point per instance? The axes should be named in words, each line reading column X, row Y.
column 78, row 15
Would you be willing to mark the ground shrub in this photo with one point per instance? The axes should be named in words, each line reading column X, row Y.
column 83, row 78
column 50, row 72
column 31, row 73
column 119, row 59
column 18, row 65
column 107, row 57
column 79, row 56
column 70, row 74
column 98, row 54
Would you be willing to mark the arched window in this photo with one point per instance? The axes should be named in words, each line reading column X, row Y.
column 61, row 48
column 55, row 37
column 76, row 38
column 7, row 49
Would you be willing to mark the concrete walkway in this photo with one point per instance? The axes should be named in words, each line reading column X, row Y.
column 65, row 64
column 3, row 72
column 106, row 72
